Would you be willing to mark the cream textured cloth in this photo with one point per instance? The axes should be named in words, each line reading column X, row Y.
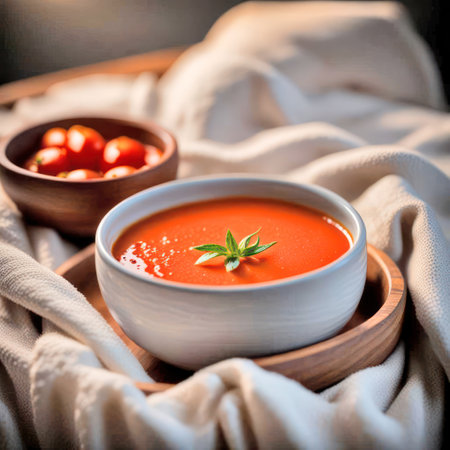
column 344, row 95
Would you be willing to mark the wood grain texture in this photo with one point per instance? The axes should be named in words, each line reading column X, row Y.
column 76, row 207
column 367, row 339
column 157, row 62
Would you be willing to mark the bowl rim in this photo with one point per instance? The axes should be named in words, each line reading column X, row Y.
column 166, row 136
column 358, row 244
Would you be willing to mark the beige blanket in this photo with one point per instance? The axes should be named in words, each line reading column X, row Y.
column 341, row 95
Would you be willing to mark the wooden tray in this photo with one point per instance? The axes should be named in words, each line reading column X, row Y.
column 367, row 339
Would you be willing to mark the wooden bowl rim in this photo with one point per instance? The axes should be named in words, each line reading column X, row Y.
column 170, row 150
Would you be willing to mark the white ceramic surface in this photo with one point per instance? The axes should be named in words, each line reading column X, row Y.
column 192, row 326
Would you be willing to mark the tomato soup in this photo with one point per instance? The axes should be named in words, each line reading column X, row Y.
column 160, row 245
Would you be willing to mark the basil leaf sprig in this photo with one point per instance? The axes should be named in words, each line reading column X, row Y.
column 232, row 252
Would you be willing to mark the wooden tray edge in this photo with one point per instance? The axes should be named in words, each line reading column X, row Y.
column 384, row 329
column 157, row 61
column 385, row 326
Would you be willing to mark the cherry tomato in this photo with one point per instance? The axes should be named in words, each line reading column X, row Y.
column 123, row 151
column 152, row 155
column 83, row 174
column 84, row 147
column 54, row 137
column 51, row 160
column 119, row 171
column 31, row 164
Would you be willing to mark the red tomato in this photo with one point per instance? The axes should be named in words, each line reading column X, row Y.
column 123, row 151
column 119, row 171
column 152, row 155
column 54, row 137
column 51, row 160
column 82, row 174
column 31, row 164
column 84, row 147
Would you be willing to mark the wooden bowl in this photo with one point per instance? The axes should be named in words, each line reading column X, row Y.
column 366, row 340
column 76, row 207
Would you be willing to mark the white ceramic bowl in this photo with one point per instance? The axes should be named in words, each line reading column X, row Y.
column 192, row 326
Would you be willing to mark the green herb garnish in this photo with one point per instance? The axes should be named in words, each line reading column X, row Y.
column 232, row 252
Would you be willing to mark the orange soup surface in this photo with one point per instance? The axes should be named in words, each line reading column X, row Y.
column 159, row 246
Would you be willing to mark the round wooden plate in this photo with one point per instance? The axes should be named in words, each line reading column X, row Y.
column 367, row 339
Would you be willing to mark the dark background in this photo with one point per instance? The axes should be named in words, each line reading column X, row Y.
column 39, row 36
